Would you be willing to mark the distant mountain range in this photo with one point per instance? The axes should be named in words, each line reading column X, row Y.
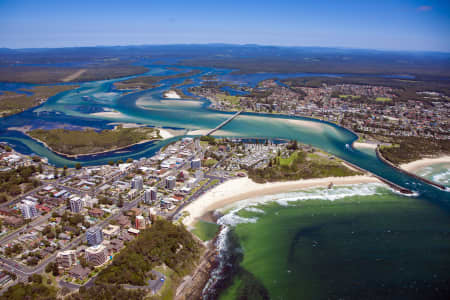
column 246, row 58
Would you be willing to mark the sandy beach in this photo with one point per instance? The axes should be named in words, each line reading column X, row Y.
column 418, row 164
column 171, row 95
column 199, row 132
column 244, row 188
column 166, row 133
column 309, row 124
column 365, row 145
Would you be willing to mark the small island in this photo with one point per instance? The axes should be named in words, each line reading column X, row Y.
column 84, row 142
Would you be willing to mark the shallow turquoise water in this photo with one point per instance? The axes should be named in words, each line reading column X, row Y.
column 77, row 108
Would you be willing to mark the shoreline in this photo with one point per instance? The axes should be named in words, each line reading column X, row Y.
column 244, row 188
column 424, row 162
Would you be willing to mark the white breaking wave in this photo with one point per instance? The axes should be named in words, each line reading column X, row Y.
column 216, row 274
column 231, row 218
column 255, row 210
column 426, row 171
column 443, row 178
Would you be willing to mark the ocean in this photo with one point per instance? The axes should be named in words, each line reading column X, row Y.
column 349, row 242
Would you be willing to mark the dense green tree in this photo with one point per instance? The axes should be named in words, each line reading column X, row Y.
column 35, row 291
column 163, row 243
column 36, row 278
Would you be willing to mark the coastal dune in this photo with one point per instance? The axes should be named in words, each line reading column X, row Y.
column 244, row 188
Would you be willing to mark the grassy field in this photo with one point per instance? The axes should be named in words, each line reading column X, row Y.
column 233, row 100
column 76, row 142
column 12, row 103
column 383, row 99
column 349, row 96
column 210, row 162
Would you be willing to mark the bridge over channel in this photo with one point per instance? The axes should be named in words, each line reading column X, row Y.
column 224, row 122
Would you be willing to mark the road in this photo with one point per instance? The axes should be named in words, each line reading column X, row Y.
column 24, row 271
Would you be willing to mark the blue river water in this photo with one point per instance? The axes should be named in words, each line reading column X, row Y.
column 98, row 104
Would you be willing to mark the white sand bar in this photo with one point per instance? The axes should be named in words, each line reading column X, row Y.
column 171, row 95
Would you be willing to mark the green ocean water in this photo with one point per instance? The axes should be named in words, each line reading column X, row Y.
column 355, row 242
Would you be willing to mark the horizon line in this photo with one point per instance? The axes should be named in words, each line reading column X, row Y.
column 232, row 44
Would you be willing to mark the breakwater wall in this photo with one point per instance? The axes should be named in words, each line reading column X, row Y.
column 381, row 157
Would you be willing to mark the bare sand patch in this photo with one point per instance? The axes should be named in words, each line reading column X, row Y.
column 365, row 145
column 74, row 75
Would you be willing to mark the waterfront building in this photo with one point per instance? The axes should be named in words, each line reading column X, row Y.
column 66, row 259
column 94, row 235
column 96, row 255
column 76, row 205
column 170, row 182
column 28, row 209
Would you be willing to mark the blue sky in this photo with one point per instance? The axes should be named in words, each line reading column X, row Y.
column 381, row 24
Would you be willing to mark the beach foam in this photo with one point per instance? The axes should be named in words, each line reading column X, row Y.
column 232, row 218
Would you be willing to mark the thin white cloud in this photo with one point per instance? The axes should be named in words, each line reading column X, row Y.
column 425, row 8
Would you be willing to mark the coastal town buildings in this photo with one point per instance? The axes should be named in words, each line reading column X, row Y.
column 76, row 204
column 66, row 259
column 28, row 209
column 96, row 255
column 94, row 235
column 140, row 222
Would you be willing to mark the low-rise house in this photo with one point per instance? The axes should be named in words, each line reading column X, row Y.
column 13, row 221
column 111, row 231
column 79, row 272
column 96, row 213
column 123, row 221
